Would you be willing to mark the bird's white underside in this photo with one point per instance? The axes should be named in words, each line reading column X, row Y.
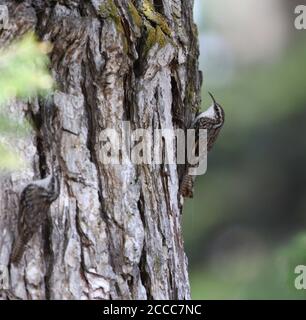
column 44, row 182
column 209, row 113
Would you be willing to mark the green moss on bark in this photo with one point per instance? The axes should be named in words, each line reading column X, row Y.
column 152, row 15
column 135, row 15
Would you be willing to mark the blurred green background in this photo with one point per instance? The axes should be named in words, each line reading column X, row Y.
column 245, row 229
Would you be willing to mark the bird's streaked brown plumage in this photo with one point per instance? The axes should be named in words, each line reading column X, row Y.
column 211, row 120
column 35, row 201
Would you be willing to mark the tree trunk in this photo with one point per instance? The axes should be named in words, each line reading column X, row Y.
column 115, row 231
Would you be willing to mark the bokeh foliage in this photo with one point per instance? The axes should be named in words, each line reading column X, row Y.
column 23, row 74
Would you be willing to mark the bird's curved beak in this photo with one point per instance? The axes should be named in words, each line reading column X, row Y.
column 212, row 97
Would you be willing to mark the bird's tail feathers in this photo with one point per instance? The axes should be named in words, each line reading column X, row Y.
column 18, row 249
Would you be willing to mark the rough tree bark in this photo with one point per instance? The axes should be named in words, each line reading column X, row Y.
column 115, row 231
